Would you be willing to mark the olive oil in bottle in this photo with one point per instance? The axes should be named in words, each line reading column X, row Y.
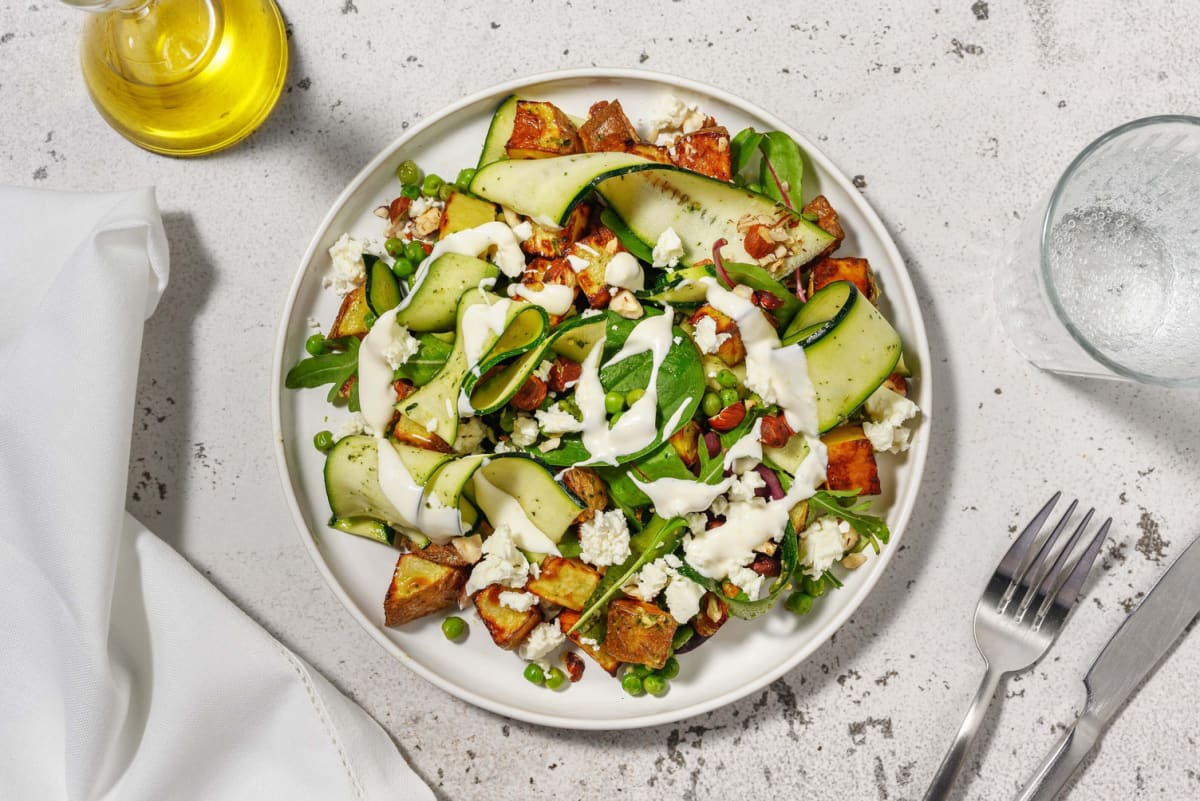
column 184, row 77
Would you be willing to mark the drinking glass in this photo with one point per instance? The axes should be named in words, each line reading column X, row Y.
column 183, row 77
column 1104, row 279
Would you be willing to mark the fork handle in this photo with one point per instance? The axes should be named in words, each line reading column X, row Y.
column 948, row 771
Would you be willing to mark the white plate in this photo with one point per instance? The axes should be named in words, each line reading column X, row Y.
column 743, row 657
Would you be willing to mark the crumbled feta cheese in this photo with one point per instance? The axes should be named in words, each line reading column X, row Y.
column 748, row 582
column 314, row 323
column 668, row 250
column 472, row 433
column 674, row 117
column 706, row 336
column 400, row 346
column 354, row 424
column 889, row 411
column 502, row 563
column 541, row 641
column 557, row 421
column 744, row 486
column 518, row 601
column 604, row 540
column 423, row 204
column 525, row 431
column 543, row 369
column 586, row 313
column 697, row 522
column 683, row 597
column 347, row 271
column 624, row 271
column 720, row 506
column 522, row 230
column 651, row 580
column 577, row 263
column 823, row 544
column 503, row 446
column 550, row 444
column 591, row 642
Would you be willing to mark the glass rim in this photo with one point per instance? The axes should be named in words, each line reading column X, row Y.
column 1052, row 207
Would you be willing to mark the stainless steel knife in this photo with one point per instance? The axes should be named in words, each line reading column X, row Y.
column 1131, row 655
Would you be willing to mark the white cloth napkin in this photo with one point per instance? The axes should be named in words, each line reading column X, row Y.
column 124, row 674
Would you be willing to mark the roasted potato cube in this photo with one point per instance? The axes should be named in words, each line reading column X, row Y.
column 351, row 320
column 649, row 151
column 565, row 582
column 552, row 243
column 444, row 554
column 712, row 615
column 462, row 212
column 591, row 489
column 607, row 128
column 567, row 619
column 705, row 151
column 420, row 587
column 851, row 461
column 732, row 351
column 686, row 442
column 508, row 627
column 541, row 130
column 828, row 220
column 596, row 249
column 857, row 271
column 639, row 632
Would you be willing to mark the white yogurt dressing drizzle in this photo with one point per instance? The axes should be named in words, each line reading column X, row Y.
column 675, row 497
column 502, row 508
column 554, row 298
column 479, row 323
column 778, row 374
column 749, row 446
column 717, row 552
column 637, row 427
column 376, row 397
column 425, row 514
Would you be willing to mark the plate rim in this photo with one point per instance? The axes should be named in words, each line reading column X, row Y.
column 916, row 455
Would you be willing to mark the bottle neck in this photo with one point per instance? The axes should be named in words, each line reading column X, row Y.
column 125, row 6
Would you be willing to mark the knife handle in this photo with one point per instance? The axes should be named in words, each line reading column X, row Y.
column 1062, row 762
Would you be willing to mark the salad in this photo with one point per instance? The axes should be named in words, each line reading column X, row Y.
column 608, row 389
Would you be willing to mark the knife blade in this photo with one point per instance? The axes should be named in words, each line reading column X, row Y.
column 1140, row 643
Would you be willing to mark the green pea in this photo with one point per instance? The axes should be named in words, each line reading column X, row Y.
column 710, row 404
column 682, row 635
column 556, row 678
column 415, row 252
column 445, row 191
column 534, row 674
column 814, row 586
column 727, row 378
column 454, row 627
column 369, row 319
column 670, row 668
column 729, row 397
column 431, row 185
column 655, row 685
column 315, row 345
column 403, row 268
column 323, row 440
column 632, row 684
column 408, row 173
column 634, row 395
column 394, row 247
column 570, row 406
column 465, row 176
column 641, row 671
column 507, row 415
column 614, row 402
column 411, row 192
column 799, row 602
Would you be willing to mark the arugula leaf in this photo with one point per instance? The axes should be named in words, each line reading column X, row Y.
column 333, row 367
column 427, row 362
column 782, row 168
column 871, row 528
column 659, row 538
column 742, row 148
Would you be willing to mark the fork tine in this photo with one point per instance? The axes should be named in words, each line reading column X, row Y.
column 1054, row 578
column 1032, row 576
column 1010, row 565
column 1066, row 594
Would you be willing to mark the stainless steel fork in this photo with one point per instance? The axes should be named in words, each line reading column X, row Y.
column 1013, row 632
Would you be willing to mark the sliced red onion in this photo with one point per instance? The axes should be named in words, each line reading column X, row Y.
column 772, row 481
column 783, row 192
column 713, row 443
column 719, row 261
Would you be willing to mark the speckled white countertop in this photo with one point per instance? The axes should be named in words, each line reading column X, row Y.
column 953, row 116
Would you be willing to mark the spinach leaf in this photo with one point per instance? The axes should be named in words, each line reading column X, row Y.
column 427, row 362
column 742, row 148
column 871, row 529
column 659, row 538
column 334, row 367
column 741, row 606
column 634, row 245
column 782, row 169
